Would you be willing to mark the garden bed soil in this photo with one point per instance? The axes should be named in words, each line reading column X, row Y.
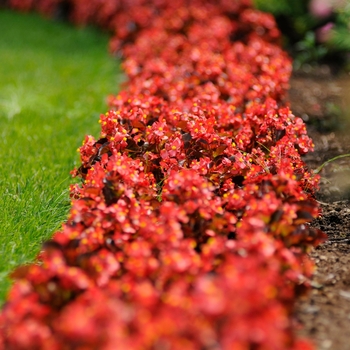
column 321, row 98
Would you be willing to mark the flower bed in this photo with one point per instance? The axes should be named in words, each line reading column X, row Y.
column 191, row 227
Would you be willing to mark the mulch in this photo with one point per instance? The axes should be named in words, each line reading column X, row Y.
column 322, row 99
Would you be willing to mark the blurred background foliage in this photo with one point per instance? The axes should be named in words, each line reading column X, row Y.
column 314, row 31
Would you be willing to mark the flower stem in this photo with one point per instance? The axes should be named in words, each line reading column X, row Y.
column 329, row 161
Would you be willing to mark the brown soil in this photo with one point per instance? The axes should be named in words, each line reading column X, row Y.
column 322, row 100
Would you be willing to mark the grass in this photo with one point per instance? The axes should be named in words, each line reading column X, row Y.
column 54, row 84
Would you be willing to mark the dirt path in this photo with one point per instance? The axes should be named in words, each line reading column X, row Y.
column 323, row 101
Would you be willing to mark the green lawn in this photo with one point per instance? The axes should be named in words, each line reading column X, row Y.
column 54, row 80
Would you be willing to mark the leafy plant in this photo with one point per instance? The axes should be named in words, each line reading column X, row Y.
column 340, row 36
column 314, row 31
column 308, row 50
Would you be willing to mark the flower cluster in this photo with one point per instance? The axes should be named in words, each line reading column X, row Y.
column 191, row 226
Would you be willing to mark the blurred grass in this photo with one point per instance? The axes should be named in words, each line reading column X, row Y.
column 54, row 84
